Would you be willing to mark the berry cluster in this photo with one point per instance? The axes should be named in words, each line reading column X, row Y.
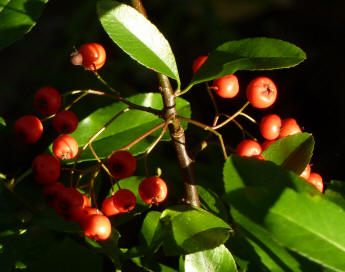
column 69, row 202
column 261, row 93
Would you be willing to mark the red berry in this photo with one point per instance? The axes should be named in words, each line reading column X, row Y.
column 227, row 86
column 289, row 127
column 153, row 190
column 67, row 200
column 248, row 148
column 306, row 172
column 80, row 214
column 96, row 227
column 108, row 207
column 65, row 122
column 124, row 200
column 198, row 62
column 91, row 55
column 270, row 126
column 121, row 164
column 46, row 169
column 261, row 92
column 28, row 129
column 65, row 147
column 51, row 192
column 316, row 180
column 47, row 100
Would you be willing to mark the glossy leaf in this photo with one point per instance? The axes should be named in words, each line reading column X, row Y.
column 272, row 255
column 17, row 18
column 149, row 226
column 126, row 127
column 248, row 54
column 188, row 229
column 288, row 208
column 292, row 152
column 212, row 260
column 138, row 37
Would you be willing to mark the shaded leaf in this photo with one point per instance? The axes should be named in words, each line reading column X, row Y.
column 288, row 208
column 69, row 256
column 17, row 18
column 292, row 152
column 335, row 192
column 138, row 37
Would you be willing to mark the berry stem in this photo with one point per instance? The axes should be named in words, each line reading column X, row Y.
column 121, row 99
column 231, row 117
column 143, row 136
column 206, row 127
column 215, row 120
column 93, row 137
column 105, row 83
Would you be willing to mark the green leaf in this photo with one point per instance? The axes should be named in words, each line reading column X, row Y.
column 186, row 229
column 138, row 37
column 248, row 54
column 292, row 152
column 2, row 122
column 149, row 227
column 17, row 18
column 126, row 127
column 272, row 255
column 69, row 256
column 288, row 208
column 50, row 220
column 211, row 201
column 335, row 192
column 212, row 260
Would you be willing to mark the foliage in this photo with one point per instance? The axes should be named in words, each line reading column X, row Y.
column 261, row 216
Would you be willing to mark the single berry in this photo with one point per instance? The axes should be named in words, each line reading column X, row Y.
column 28, row 129
column 65, row 147
column 153, row 190
column 51, row 192
column 261, row 92
column 46, row 169
column 316, row 180
column 198, row 62
column 289, row 127
column 96, row 227
column 65, row 122
column 227, row 86
column 306, row 172
column 68, row 200
column 266, row 144
column 248, row 148
column 47, row 100
column 124, row 200
column 121, row 164
column 270, row 126
column 91, row 55
column 108, row 207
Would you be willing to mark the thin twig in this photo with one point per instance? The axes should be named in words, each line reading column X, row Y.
column 231, row 117
column 206, row 127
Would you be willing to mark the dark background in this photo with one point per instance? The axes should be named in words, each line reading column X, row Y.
column 312, row 92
